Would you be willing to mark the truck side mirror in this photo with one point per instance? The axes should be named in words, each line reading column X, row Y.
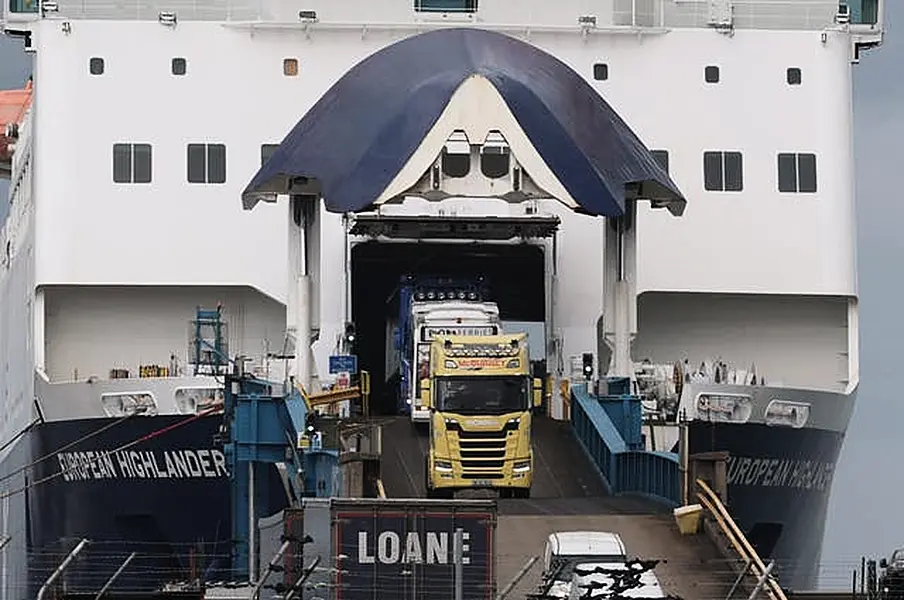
column 538, row 392
column 425, row 393
column 883, row 564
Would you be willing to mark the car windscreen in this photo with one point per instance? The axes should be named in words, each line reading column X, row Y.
column 563, row 567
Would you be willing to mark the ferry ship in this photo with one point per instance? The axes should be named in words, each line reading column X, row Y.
column 129, row 150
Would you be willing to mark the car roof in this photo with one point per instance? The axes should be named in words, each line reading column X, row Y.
column 565, row 543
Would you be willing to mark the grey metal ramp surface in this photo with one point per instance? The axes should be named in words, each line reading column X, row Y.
column 694, row 569
column 402, row 466
column 561, row 467
column 568, row 494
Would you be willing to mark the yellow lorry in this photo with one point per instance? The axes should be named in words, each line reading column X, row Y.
column 480, row 394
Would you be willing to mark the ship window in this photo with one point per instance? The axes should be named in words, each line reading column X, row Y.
column 23, row 6
column 662, row 158
column 494, row 156
column 601, row 71
column 290, row 67
column 179, row 66
column 723, row 171
column 794, row 76
column 456, row 156
column 797, row 173
column 131, row 163
column 457, row 6
column 96, row 66
column 206, row 163
column 711, row 74
column 267, row 151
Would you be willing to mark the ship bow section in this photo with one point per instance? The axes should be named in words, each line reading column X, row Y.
column 780, row 468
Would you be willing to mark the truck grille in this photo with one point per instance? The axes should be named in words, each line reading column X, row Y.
column 482, row 453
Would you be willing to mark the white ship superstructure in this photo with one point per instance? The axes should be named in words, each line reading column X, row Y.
column 149, row 118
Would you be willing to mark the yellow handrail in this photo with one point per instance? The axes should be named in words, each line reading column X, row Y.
column 709, row 499
column 381, row 491
column 328, row 397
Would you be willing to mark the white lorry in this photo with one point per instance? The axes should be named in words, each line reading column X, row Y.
column 431, row 306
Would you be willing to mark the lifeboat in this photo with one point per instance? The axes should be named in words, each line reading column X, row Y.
column 13, row 105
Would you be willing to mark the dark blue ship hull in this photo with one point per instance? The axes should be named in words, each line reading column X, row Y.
column 779, row 481
column 166, row 498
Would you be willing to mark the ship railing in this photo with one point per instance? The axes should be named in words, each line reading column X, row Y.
column 747, row 555
column 655, row 15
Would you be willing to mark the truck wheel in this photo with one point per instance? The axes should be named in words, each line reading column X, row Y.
column 522, row 492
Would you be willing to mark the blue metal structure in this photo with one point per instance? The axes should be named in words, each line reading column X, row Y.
column 427, row 288
column 265, row 427
column 209, row 346
column 609, row 429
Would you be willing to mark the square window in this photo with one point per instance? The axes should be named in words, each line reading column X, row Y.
column 131, row 163
column 206, row 163
column 179, row 66
column 794, row 76
column 290, row 67
column 723, row 171
column 711, row 74
column 96, row 66
column 601, row 71
column 797, row 173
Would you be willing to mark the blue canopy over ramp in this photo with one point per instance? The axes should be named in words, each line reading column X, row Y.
column 363, row 131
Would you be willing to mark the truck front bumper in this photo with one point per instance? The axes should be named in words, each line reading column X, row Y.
column 450, row 475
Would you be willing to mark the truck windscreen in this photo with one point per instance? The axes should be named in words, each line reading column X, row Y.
column 482, row 395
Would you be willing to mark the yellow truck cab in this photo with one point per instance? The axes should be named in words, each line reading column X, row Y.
column 481, row 395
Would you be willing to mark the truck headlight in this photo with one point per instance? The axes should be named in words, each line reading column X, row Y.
column 521, row 466
column 442, row 465
column 514, row 420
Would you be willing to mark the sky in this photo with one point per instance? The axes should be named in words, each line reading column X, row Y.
column 864, row 517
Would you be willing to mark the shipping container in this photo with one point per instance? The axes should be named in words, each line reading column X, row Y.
column 404, row 549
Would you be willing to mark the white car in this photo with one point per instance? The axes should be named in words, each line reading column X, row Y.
column 575, row 565
column 597, row 580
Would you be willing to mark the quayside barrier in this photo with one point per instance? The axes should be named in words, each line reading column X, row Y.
column 750, row 561
column 625, row 465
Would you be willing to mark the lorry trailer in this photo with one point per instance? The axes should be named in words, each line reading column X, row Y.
column 414, row 549
column 430, row 306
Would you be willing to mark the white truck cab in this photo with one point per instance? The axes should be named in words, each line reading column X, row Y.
column 449, row 317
